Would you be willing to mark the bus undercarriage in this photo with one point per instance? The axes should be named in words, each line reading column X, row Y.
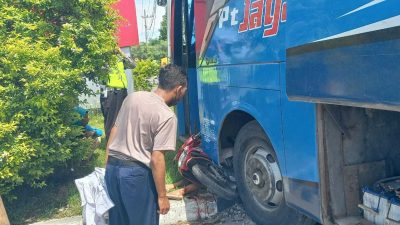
column 357, row 148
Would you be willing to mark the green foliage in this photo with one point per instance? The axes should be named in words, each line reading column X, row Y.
column 172, row 173
column 148, row 57
column 163, row 28
column 48, row 49
column 145, row 74
column 60, row 198
column 154, row 50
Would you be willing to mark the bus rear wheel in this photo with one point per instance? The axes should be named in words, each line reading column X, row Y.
column 259, row 179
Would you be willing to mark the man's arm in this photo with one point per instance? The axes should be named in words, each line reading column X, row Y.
column 110, row 139
column 129, row 63
column 158, row 169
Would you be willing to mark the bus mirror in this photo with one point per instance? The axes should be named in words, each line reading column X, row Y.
column 161, row 2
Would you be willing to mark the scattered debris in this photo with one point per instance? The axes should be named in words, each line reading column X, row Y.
column 232, row 216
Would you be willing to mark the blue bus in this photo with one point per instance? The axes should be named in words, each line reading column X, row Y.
column 299, row 100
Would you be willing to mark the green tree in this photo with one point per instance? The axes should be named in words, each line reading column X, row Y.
column 154, row 50
column 49, row 48
column 145, row 74
column 163, row 28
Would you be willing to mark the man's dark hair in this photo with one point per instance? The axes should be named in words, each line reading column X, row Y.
column 171, row 76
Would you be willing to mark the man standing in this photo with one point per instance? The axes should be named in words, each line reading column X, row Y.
column 145, row 128
column 115, row 91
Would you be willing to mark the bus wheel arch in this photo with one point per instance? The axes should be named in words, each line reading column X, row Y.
column 230, row 128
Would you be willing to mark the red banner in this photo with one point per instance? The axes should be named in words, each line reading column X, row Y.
column 127, row 26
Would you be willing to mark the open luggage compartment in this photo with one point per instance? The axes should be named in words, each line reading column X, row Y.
column 357, row 147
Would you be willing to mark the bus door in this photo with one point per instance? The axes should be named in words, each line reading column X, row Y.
column 182, row 42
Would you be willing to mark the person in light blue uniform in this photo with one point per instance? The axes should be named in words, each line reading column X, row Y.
column 89, row 131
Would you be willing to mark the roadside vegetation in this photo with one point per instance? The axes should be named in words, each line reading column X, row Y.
column 60, row 198
column 49, row 50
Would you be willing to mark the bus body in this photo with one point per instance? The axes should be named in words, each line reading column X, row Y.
column 293, row 98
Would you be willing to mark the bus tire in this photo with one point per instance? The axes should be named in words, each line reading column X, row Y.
column 259, row 181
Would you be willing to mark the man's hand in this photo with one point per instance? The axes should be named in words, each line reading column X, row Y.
column 163, row 205
column 158, row 169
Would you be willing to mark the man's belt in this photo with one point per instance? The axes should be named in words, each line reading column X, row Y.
column 115, row 89
column 120, row 162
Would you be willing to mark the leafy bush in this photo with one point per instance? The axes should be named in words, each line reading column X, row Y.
column 48, row 49
column 145, row 74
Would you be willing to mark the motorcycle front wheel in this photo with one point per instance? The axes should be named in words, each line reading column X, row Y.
column 215, row 180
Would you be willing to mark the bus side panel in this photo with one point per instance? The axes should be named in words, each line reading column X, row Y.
column 227, row 36
column 364, row 75
column 221, row 91
column 346, row 53
column 300, row 143
column 193, row 101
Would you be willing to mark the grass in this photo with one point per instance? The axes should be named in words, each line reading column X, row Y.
column 60, row 198
column 56, row 200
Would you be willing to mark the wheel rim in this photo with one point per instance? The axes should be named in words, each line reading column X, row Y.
column 263, row 177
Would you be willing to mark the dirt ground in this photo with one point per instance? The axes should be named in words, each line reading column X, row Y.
column 232, row 216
